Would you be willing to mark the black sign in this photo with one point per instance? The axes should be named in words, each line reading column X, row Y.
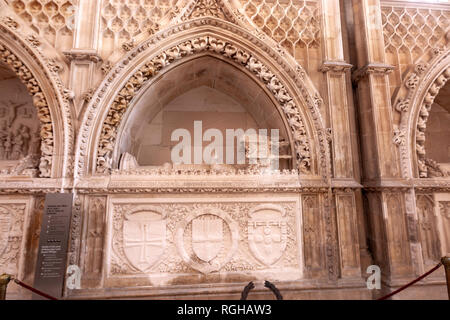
column 53, row 243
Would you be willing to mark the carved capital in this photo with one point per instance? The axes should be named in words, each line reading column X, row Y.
column 372, row 68
column 335, row 67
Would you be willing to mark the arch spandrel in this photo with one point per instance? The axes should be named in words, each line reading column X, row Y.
column 287, row 83
column 39, row 73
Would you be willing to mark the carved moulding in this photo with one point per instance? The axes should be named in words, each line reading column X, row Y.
column 188, row 46
column 39, row 71
column 413, row 102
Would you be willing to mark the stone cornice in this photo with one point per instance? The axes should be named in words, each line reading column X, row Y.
column 419, row 185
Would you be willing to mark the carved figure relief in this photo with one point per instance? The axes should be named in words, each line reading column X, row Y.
column 267, row 233
column 18, row 131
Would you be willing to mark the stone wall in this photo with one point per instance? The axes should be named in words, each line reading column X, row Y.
column 356, row 87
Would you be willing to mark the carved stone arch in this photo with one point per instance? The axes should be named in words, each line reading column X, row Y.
column 290, row 87
column 38, row 71
column 413, row 102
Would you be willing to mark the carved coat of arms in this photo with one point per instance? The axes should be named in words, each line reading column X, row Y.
column 207, row 237
column 5, row 228
column 144, row 238
column 267, row 233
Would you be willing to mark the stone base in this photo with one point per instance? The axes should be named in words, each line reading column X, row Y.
column 290, row 291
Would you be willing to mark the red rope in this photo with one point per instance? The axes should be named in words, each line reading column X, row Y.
column 20, row 283
column 411, row 283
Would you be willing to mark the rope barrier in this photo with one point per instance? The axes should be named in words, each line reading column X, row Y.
column 42, row 294
column 411, row 283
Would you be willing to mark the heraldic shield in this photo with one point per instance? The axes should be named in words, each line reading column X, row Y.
column 144, row 238
column 207, row 237
column 267, row 233
column 5, row 228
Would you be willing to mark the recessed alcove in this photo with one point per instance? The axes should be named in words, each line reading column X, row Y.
column 437, row 143
column 19, row 125
column 206, row 89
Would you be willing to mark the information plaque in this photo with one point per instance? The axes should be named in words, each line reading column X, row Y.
column 53, row 244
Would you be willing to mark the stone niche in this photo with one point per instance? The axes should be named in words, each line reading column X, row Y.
column 437, row 143
column 19, row 126
column 171, row 241
column 201, row 90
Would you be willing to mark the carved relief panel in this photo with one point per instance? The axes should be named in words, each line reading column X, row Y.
column 312, row 235
column 428, row 232
column 13, row 223
column 94, row 237
column 399, row 251
column 19, row 125
column 348, row 235
column 169, row 240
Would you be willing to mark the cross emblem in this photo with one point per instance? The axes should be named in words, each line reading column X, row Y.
column 144, row 242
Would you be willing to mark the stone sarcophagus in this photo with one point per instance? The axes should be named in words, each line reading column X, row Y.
column 172, row 243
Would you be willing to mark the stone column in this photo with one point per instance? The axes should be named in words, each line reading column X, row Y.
column 381, row 163
column 83, row 56
column 344, row 143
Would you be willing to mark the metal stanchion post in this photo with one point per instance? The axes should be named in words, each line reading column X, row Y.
column 446, row 263
column 4, row 280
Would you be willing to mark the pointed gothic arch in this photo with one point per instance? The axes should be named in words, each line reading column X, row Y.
column 21, row 51
column 289, row 85
column 414, row 101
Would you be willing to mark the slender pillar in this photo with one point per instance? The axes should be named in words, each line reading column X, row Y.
column 388, row 205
